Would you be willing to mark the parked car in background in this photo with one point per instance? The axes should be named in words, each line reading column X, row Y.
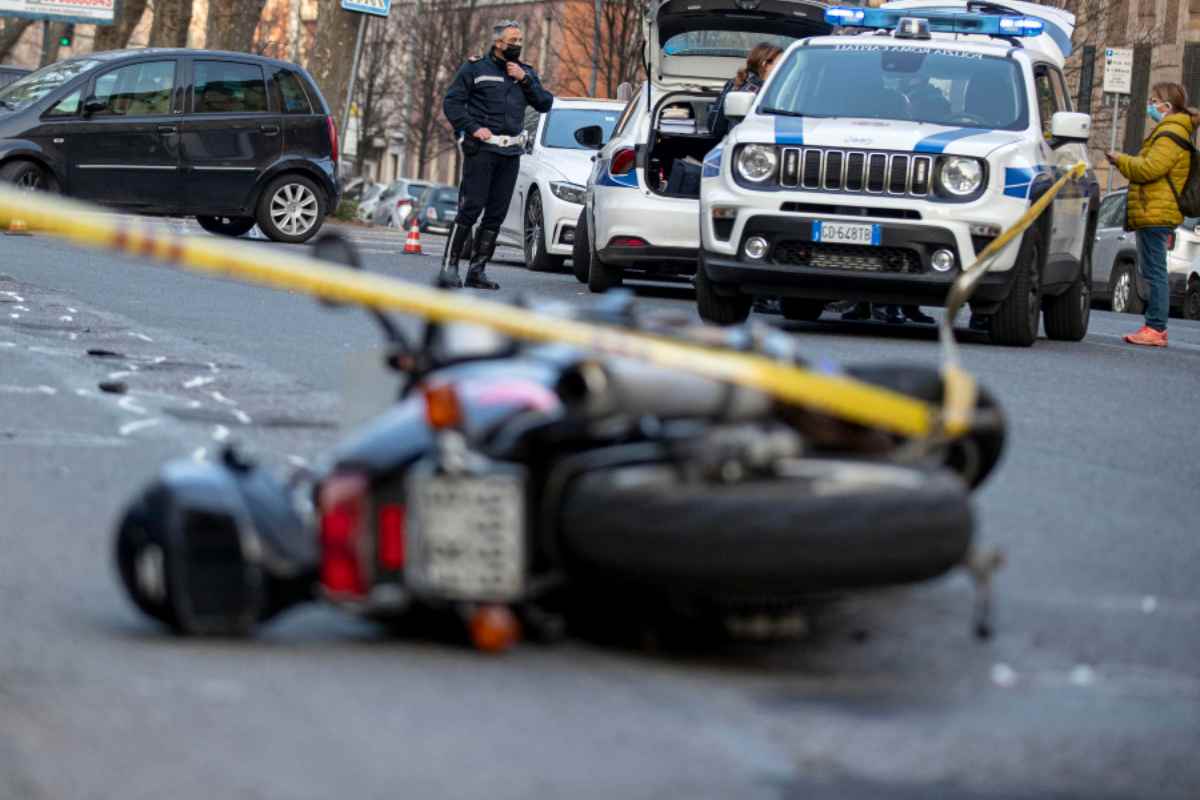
column 230, row 138
column 553, row 179
column 437, row 208
column 368, row 200
column 8, row 74
column 1115, row 273
column 395, row 205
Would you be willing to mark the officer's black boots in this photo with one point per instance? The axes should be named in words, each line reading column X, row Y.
column 485, row 245
column 447, row 277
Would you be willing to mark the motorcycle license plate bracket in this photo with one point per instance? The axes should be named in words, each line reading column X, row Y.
column 467, row 533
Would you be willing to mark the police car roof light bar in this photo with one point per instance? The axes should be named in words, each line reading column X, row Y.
column 939, row 21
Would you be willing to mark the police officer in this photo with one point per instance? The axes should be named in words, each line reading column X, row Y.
column 486, row 103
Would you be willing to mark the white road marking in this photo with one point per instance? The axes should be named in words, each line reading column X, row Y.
column 133, row 427
column 40, row 389
column 220, row 433
column 72, row 310
column 198, row 381
column 297, row 461
column 200, row 454
column 121, row 373
column 20, row 308
column 141, row 336
column 131, row 405
column 15, row 316
column 66, row 318
column 241, row 416
column 1004, row 676
column 8, row 344
column 220, row 398
column 72, row 336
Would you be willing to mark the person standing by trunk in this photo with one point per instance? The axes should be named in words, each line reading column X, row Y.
column 749, row 78
column 486, row 105
column 1156, row 176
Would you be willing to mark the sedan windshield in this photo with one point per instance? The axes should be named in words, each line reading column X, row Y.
column 28, row 90
column 886, row 81
column 563, row 122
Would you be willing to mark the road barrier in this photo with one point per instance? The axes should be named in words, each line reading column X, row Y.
column 836, row 395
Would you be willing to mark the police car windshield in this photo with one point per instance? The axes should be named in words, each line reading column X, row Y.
column 894, row 82
column 28, row 90
column 563, row 122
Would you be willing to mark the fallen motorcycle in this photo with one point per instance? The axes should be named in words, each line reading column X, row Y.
column 512, row 481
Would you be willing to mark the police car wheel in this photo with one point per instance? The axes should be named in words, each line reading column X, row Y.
column 1068, row 314
column 718, row 308
column 291, row 209
column 1016, row 321
column 581, row 252
column 601, row 276
column 536, row 257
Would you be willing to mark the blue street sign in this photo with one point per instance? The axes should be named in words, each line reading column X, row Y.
column 379, row 8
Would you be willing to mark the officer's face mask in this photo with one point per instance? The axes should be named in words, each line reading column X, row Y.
column 512, row 52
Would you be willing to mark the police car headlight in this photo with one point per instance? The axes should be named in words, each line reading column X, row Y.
column 570, row 192
column 757, row 162
column 959, row 177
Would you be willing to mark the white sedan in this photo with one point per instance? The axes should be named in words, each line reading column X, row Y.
column 550, row 188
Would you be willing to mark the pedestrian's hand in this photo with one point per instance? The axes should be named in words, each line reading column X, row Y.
column 483, row 134
column 514, row 72
column 1112, row 156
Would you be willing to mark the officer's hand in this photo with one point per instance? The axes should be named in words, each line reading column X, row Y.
column 514, row 72
column 483, row 134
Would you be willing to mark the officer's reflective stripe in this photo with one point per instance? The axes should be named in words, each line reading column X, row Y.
column 483, row 78
column 835, row 395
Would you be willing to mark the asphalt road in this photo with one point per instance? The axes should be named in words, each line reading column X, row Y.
column 1091, row 687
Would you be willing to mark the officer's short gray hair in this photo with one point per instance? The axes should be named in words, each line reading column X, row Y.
column 500, row 27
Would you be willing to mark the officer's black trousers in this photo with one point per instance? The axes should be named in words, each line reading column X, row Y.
column 488, row 181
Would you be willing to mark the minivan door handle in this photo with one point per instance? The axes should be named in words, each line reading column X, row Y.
column 167, row 129
column 269, row 130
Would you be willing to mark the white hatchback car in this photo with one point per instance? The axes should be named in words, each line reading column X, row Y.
column 550, row 186
column 642, row 204
column 875, row 165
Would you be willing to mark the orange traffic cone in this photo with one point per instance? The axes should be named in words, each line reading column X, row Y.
column 413, row 243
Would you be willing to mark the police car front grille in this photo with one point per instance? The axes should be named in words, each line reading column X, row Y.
column 835, row 169
column 863, row 258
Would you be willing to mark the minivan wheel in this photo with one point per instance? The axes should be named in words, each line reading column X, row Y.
column 291, row 209
column 226, row 226
column 24, row 175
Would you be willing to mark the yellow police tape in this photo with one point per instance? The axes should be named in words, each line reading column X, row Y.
column 836, row 395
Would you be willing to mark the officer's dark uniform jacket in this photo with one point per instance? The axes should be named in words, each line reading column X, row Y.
column 482, row 95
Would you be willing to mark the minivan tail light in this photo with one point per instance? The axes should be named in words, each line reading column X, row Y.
column 623, row 161
column 345, row 511
column 333, row 139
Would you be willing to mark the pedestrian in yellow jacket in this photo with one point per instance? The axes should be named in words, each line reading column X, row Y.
column 1156, row 175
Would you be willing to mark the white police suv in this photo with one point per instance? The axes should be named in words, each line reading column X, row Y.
column 642, row 200
column 876, row 164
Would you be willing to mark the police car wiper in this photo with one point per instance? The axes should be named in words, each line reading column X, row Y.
column 783, row 112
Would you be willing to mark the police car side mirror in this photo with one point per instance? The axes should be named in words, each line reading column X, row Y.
column 1067, row 127
column 737, row 104
column 591, row 137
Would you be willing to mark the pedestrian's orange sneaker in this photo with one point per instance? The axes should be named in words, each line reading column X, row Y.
column 1147, row 337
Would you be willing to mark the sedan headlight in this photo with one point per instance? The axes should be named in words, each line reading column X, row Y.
column 959, row 177
column 757, row 162
column 570, row 192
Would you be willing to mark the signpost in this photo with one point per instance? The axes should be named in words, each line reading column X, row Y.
column 378, row 8
column 1118, row 83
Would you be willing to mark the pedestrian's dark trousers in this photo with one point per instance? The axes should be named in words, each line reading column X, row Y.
column 488, row 181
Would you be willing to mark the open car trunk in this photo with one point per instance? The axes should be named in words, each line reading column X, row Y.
column 702, row 43
column 679, row 140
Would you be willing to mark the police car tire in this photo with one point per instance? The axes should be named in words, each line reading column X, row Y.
column 1067, row 315
column 581, row 251
column 1015, row 323
column 601, row 276
column 763, row 538
column 268, row 226
column 717, row 308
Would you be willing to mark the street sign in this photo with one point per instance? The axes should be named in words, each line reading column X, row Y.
column 1118, row 70
column 91, row 12
column 379, row 8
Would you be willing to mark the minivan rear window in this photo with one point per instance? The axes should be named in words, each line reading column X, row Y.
column 224, row 87
column 294, row 100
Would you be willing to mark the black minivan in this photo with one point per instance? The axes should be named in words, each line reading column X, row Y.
column 231, row 138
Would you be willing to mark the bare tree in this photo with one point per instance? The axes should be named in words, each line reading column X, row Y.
column 11, row 33
column 231, row 24
column 376, row 91
column 274, row 18
column 619, row 58
column 336, row 31
column 116, row 36
column 171, row 21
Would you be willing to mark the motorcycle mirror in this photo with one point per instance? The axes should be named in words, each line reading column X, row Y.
column 338, row 249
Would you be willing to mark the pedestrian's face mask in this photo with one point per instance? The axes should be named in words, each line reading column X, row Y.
column 1152, row 108
column 512, row 52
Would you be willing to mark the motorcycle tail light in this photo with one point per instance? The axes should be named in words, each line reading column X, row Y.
column 623, row 161
column 442, row 408
column 391, row 536
column 344, row 505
